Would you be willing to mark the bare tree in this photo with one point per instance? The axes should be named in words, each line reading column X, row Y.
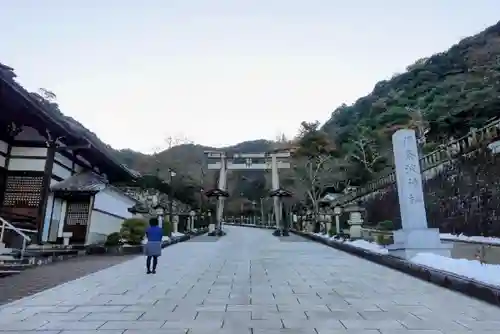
column 172, row 141
column 47, row 94
column 314, row 175
column 364, row 150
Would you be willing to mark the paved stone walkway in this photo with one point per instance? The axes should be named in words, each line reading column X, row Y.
column 249, row 282
column 41, row 278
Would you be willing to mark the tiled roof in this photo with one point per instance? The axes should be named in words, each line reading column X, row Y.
column 87, row 181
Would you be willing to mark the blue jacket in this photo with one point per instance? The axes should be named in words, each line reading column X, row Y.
column 154, row 233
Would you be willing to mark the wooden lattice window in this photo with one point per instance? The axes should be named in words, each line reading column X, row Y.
column 23, row 191
column 77, row 214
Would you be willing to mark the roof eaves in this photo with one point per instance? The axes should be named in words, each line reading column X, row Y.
column 60, row 121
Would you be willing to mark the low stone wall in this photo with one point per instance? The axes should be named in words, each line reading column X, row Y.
column 371, row 234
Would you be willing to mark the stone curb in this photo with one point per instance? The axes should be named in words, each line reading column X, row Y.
column 472, row 288
column 253, row 226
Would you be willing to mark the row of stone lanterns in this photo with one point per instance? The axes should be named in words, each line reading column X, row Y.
column 160, row 213
column 355, row 220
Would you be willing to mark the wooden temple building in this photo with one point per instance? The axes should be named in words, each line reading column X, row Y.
column 55, row 175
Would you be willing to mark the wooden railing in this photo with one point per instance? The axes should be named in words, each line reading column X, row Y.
column 443, row 154
column 5, row 225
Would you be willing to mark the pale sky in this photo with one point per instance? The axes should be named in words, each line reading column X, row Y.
column 220, row 72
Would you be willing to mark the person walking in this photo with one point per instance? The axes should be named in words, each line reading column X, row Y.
column 152, row 248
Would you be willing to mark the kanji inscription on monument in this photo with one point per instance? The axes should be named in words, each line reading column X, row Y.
column 409, row 180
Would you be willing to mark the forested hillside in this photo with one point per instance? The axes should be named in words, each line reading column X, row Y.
column 443, row 96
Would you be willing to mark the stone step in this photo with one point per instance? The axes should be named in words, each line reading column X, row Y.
column 5, row 273
column 5, row 257
column 6, row 250
column 15, row 266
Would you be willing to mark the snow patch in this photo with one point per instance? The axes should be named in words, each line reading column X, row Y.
column 461, row 237
column 371, row 246
column 473, row 269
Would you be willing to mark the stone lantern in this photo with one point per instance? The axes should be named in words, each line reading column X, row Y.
column 308, row 221
column 216, row 193
column 175, row 224
column 159, row 211
column 192, row 214
column 355, row 220
column 328, row 220
column 280, row 193
column 337, row 211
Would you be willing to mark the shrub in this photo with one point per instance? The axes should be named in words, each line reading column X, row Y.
column 113, row 239
column 386, row 225
column 167, row 228
column 133, row 231
column 383, row 240
column 332, row 231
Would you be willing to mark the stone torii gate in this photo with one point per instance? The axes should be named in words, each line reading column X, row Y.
column 223, row 161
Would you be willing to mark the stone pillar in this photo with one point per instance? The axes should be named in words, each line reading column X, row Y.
column 275, row 183
column 211, row 225
column 415, row 236
column 160, row 221
column 355, row 221
column 337, row 211
column 222, row 186
column 328, row 223
column 175, row 224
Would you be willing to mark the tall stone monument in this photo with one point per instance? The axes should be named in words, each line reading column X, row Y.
column 415, row 236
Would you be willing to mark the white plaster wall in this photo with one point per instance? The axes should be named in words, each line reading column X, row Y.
column 113, row 202
column 47, row 218
column 61, row 171
column 27, row 164
column 3, row 146
column 29, row 151
column 101, row 225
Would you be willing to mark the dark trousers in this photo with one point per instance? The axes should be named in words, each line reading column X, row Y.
column 148, row 262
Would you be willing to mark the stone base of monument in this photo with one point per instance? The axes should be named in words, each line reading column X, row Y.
column 211, row 228
column 407, row 244
column 355, row 231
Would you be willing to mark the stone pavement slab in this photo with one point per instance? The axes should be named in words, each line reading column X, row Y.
column 249, row 282
column 47, row 276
